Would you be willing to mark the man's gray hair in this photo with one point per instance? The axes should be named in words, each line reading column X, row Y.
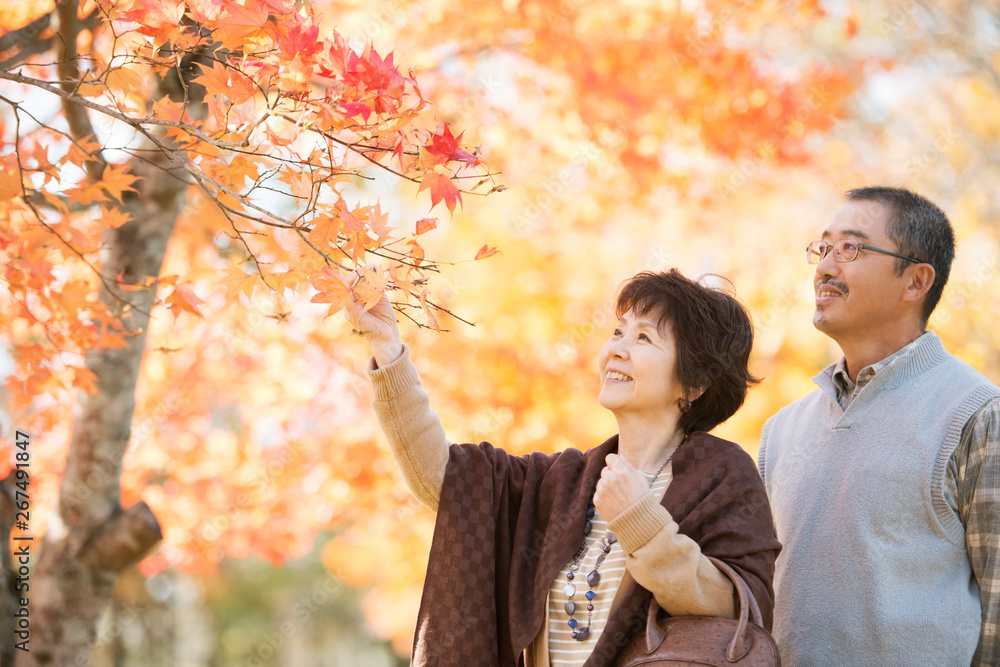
column 920, row 230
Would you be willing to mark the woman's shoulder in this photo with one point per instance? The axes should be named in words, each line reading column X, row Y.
column 707, row 450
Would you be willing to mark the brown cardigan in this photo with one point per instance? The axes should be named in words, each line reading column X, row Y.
column 507, row 525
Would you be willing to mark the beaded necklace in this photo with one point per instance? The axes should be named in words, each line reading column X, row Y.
column 594, row 577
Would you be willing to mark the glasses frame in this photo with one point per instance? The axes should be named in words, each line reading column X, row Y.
column 829, row 247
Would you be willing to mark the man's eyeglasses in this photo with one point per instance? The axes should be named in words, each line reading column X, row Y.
column 845, row 250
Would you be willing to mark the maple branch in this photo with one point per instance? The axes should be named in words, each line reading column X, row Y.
column 400, row 307
column 28, row 38
column 190, row 129
column 122, row 539
column 445, row 310
column 361, row 149
column 329, row 260
column 76, row 115
column 425, row 265
column 19, row 108
column 239, row 235
column 349, row 146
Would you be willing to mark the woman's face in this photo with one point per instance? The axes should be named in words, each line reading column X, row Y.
column 639, row 367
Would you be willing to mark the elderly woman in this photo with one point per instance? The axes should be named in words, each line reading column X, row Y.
column 551, row 559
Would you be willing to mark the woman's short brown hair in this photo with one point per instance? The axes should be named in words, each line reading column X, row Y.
column 713, row 334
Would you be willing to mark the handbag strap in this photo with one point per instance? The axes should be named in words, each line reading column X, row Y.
column 749, row 610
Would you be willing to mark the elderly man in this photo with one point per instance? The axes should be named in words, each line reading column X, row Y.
column 885, row 481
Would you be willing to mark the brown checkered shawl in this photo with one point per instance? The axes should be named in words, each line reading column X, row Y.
column 507, row 525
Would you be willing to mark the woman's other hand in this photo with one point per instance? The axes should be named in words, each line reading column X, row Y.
column 378, row 326
column 620, row 486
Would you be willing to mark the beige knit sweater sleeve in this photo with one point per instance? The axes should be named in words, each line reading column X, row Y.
column 670, row 564
column 662, row 560
column 414, row 431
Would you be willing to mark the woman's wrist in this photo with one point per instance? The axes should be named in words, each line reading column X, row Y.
column 386, row 351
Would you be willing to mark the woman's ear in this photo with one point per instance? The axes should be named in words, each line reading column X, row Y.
column 694, row 394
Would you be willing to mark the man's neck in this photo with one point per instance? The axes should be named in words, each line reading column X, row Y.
column 862, row 352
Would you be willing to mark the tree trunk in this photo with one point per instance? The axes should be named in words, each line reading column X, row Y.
column 90, row 538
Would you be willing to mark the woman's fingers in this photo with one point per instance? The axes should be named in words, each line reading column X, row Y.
column 620, row 486
column 378, row 326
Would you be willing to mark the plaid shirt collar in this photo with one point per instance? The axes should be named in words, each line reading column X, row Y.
column 847, row 390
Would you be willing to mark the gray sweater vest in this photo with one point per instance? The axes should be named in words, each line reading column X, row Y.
column 874, row 569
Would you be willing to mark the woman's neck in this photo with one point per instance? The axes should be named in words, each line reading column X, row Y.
column 647, row 442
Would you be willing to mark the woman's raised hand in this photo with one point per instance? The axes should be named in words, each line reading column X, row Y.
column 619, row 486
column 378, row 326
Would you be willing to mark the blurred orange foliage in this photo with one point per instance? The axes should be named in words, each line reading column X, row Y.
column 713, row 136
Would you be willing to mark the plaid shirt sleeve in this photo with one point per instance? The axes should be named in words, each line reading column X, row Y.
column 974, row 479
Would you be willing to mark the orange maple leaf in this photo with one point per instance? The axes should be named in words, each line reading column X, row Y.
column 159, row 19
column 334, row 288
column 325, row 230
column 10, row 178
column 417, row 253
column 116, row 180
column 125, row 79
column 287, row 280
column 87, row 195
column 369, row 290
column 85, row 380
column 403, row 283
column 221, row 79
column 246, row 26
column 183, row 299
column 425, row 225
column 355, row 246
column 431, row 320
column 82, row 151
column 239, row 281
column 112, row 217
column 204, row 11
column 442, row 189
column 378, row 222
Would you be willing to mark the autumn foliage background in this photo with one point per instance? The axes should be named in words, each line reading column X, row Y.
column 605, row 138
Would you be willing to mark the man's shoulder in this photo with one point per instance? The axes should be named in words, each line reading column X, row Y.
column 967, row 372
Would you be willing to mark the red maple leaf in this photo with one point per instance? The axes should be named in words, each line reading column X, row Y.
column 301, row 42
column 357, row 109
column 486, row 251
column 444, row 143
column 445, row 146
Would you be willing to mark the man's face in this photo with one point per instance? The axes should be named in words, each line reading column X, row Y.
column 858, row 299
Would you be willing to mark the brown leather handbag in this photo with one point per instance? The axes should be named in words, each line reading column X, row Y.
column 704, row 640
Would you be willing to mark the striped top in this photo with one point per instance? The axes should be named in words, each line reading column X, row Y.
column 564, row 651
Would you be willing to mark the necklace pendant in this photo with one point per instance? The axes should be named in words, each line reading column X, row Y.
column 582, row 634
column 593, row 578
